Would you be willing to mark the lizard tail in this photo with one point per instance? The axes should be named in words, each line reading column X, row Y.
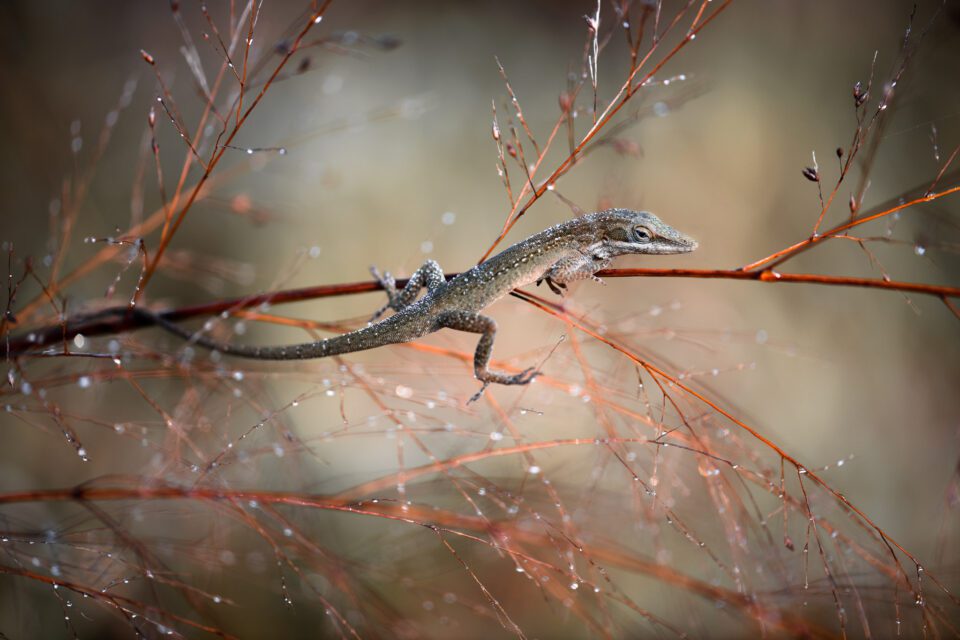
column 357, row 340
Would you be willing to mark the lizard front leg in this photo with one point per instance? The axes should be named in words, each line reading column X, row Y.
column 580, row 267
column 557, row 287
column 429, row 275
column 487, row 328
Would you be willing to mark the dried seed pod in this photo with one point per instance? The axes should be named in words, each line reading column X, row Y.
column 811, row 174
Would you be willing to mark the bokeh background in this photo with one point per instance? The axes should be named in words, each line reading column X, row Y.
column 389, row 161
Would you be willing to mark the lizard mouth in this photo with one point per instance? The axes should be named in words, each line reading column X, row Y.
column 679, row 244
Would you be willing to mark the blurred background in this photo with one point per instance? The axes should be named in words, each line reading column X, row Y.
column 388, row 160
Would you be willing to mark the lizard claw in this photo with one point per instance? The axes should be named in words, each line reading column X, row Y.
column 389, row 286
column 554, row 286
column 478, row 394
column 386, row 280
column 525, row 377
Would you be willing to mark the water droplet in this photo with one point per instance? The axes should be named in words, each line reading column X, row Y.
column 84, row 382
column 79, row 341
column 919, row 249
column 448, row 218
column 496, row 436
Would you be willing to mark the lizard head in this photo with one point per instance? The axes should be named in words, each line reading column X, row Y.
column 626, row 231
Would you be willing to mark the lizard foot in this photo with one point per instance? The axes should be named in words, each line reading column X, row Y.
column 556, row 287
column 390, row 286
column 478, row 394
column 524, row 377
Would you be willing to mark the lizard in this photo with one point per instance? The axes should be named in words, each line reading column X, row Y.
column 564, row 253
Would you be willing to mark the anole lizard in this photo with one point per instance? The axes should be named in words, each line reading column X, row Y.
column 573, row 250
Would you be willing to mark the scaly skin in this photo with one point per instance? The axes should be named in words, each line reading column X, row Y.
column 564, row 253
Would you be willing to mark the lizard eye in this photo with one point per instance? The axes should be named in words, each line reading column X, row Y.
column 642, row 234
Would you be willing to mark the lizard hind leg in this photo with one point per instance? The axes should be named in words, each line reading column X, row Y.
column 487, row 328
column 429, row 275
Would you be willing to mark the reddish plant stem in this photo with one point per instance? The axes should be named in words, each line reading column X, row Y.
column 769, row 275
column 627, row 92
column 124, row 604
column 657, row 372
column 222, row 148
column 120, row 319
column 783, row 255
